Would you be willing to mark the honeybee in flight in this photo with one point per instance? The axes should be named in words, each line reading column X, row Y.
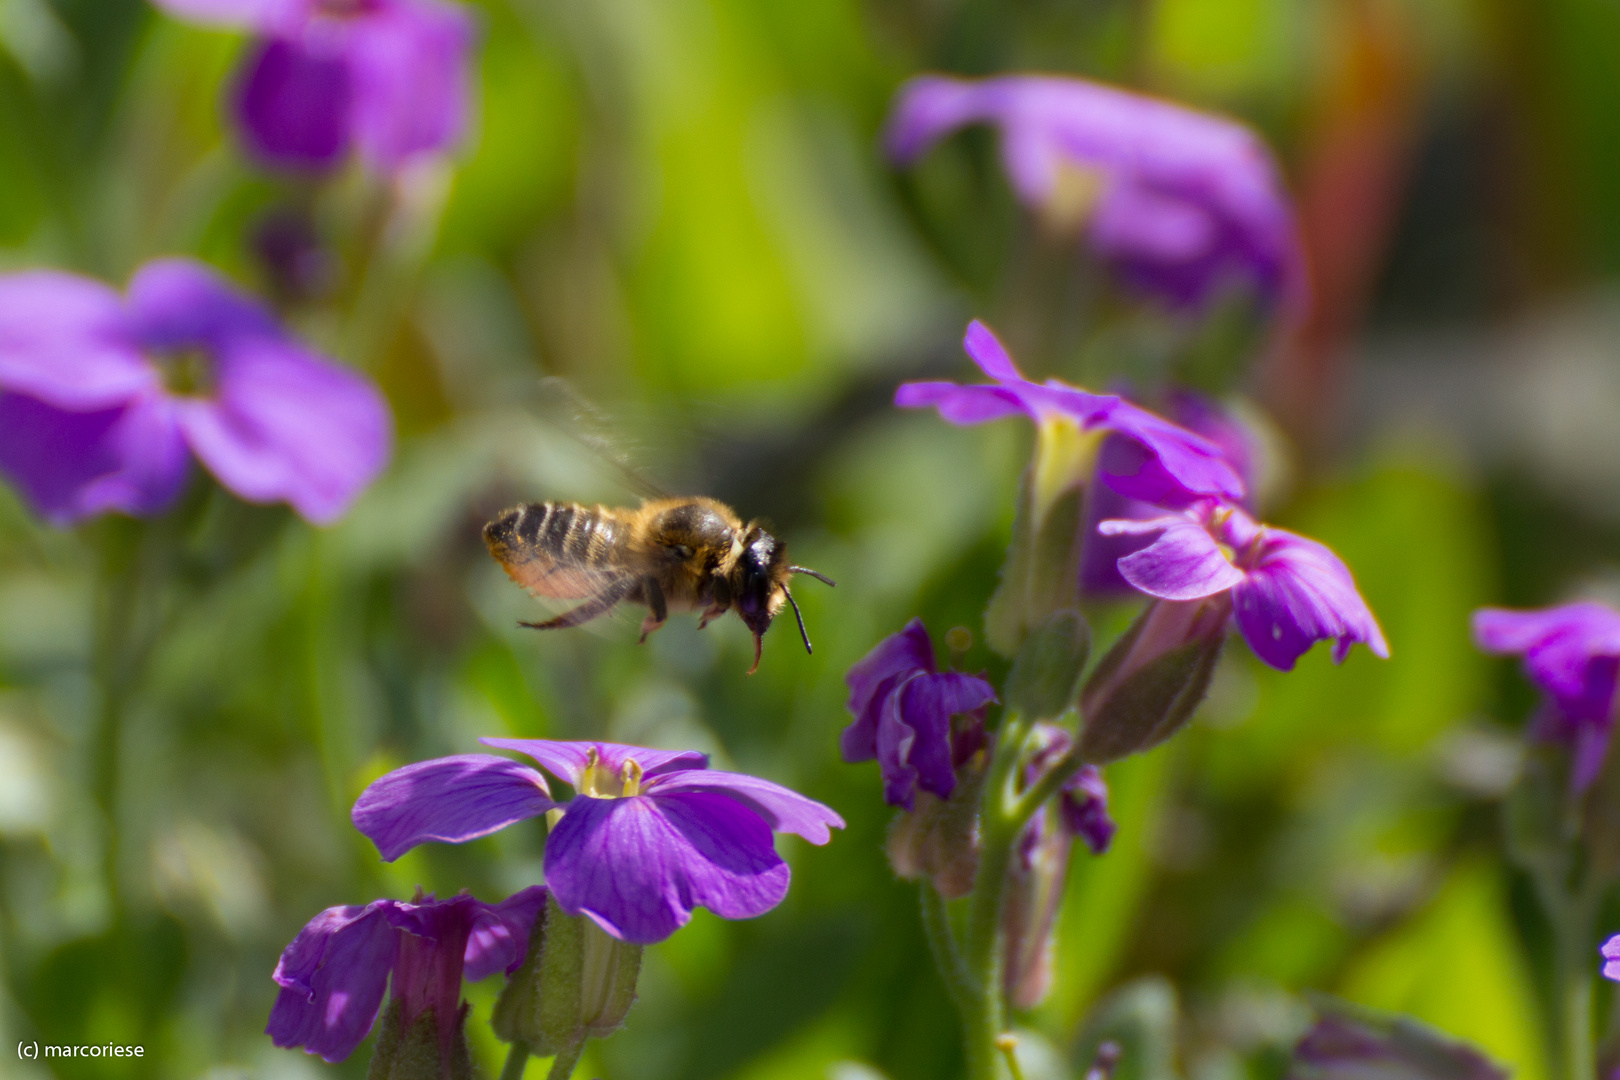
column 681, row 554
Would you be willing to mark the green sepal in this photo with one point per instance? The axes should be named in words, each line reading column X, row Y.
column 1151, row 704
column 576, row 982
column 1042, row 573
column 415, row 1054
column 1045, row 676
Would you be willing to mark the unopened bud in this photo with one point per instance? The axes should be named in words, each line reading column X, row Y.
column 1350, row 1042
column 576, row 982
column 1045, row 674
column 939, row 839
column 1153, row 678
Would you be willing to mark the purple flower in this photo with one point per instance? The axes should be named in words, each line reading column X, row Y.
column 333, row 974
column 1173, row 465
column 390, row 77
column 1287, row 592
column 1100, row 555
column 1179, row 203
column 1573, row 654
column 1611, row 956
column 103, row 399
column 903, row 706
column 648, row 836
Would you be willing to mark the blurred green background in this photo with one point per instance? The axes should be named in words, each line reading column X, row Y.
column 679, row 207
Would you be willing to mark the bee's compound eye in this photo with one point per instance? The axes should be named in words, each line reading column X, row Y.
column 681, row 551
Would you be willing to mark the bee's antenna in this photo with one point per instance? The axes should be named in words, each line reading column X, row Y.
column 817, row 574
column 803, row 633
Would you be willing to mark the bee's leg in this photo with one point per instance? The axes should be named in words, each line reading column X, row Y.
column 711, row 613
column 657, row 607
column 600, row 604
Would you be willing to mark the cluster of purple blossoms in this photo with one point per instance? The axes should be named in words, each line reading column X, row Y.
column 648, row 835
column 333, row 974
column 1178, row 203
column 1286, row 591
column 104, row 399
column 390, row 78
column 1572, row 653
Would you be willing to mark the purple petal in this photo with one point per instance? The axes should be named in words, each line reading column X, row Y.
column 178, row 304
column 639, row 866
column 1560, row 646
column 293, row 102
column 67, row 341
column 1184, row 563
column 453, row 799
column 244, row 14
column 500, row 933
column 1297, row 593
column 1100, row 553
column 409, row 65
column 927, row 704
column 908, row 650
column 74, row 465
column 1177, row 466
column 896, row 744
column 289, row 426
column 1084, row 807
column 961, row 405
column 783, row 810
column 1235, row 442
column 567, row 760
column 1611, row 953
column 858, row 741
column 990, row 354
column 927, row 109
column 332, row 977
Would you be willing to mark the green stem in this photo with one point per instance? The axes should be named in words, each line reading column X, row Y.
column 936, row 920
column 1576, row 961
column 562, row 1066
column 517, row 1059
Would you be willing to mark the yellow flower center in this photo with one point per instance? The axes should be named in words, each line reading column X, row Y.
column 600, row 782
column 1064, row 455
column 1076, row 191
column 187, row 373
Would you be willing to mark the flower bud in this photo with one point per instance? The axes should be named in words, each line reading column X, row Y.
column 1153, row 678
column 576, row 982
column 1045, row 676
column 1349, row 1042
column 939, row 839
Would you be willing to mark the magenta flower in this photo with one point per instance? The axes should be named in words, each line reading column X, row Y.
column 389, row 77
column 1100, row 555
column 1611, row 956
column 333, row 974
column 1179, row 203
column 104, row 399
column 903, row 706
column 648, row 836
column 1173, row 466
column 1572, row 653
column 1287, row 592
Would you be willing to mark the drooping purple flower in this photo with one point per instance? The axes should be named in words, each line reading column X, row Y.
column 648, row 836
column 903, row 706
column 1099, row 554
column 1287, row 592
column 1180, row 203
column 333, row 974
column 104, row 399
column 389, row 77
column 1174, row 466
column 1572, row 653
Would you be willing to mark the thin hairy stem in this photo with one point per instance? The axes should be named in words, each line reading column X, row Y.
column 562, row 1066
column 516, row 1059
column 936, row 920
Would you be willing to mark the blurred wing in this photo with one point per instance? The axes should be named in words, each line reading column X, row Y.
column 587, row 425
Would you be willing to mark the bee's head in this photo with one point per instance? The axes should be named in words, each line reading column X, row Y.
column 760, row 585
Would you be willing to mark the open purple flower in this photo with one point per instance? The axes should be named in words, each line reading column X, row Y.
column 1180, row 203
column 1173, row 466
column 333, row 974
column 1287, row 592
column 903, row 706
column 390, row 77
column 104, row 399
column 648, row 836
column 1572, row 653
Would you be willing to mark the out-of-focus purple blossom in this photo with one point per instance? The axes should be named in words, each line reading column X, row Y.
column 1174, row 466
column 1287, row 592
column 903, row 706
column 333, row 974
column 104, row 399
column 297, row 264
column 1611, row 958
column 1179, row 203
column 1100, row 555
column 1572, row 653
column 1084, row 808
column 1351, row 1043
column 389, row 77
column 648, row 836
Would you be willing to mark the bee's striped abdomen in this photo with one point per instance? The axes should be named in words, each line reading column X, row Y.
column 558, row 549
